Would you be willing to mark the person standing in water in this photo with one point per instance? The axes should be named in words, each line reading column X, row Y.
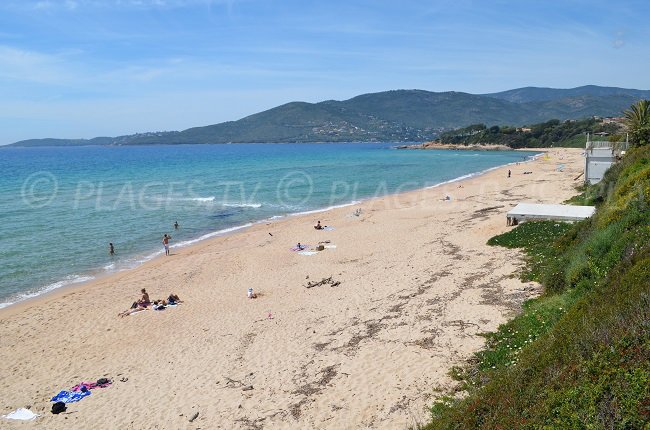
column 165, row 241
column 111, row 249
column 176, row 225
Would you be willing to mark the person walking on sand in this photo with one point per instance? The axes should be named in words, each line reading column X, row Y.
column 165, row 241
column 508, row 173
column 111, row 249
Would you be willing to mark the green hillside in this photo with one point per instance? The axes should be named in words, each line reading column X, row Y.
column 550, row 133
column 578, row 357
column 400, row 115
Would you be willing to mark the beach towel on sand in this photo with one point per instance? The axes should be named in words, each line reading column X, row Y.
column 21, row 414
column 308, row 252
column 70, row 396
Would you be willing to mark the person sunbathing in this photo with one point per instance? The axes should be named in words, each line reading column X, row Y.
column 318, row 226
column 145, row 300
column 159, row 305
column 133, row 310
column 173, row 299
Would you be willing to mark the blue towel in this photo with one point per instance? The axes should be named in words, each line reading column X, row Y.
column 70, row 396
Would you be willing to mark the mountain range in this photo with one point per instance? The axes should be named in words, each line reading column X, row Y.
column 389, row 116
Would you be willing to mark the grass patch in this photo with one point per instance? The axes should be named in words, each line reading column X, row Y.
column 505, row 345
column 534, row 237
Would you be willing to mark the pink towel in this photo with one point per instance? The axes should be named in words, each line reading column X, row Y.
column 89, row 385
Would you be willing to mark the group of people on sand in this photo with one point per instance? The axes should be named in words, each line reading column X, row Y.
column 318, row 226
column 165, row 241
column 145, row 302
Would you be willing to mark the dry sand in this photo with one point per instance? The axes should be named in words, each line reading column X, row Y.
column 417, row 286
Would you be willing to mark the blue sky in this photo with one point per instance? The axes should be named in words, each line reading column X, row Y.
column 85, row 68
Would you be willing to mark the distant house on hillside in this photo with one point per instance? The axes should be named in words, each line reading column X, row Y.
column 613, row 120
column 599, row 156
column 524, row 129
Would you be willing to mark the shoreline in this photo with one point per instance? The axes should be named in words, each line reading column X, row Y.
column 97, row 274
column 417, row 287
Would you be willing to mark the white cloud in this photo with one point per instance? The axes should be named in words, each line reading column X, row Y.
column 21, row 65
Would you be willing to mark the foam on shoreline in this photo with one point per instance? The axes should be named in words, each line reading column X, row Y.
column 134, row 261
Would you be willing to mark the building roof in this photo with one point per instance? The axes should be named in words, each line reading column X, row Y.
column 557, row 212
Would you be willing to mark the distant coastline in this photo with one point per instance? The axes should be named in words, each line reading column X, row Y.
column 438, row 145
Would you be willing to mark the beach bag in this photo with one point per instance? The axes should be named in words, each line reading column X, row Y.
column 102, row 381
column 58, row 407
column 320, row 247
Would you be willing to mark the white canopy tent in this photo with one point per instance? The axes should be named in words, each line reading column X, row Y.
column 531, row 211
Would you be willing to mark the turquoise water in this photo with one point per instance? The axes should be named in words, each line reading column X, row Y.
column 60, row 207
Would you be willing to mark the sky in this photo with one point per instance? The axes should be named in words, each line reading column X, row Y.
column 86, row 68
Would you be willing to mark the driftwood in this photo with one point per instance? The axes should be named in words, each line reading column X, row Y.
column 325, row 281
column 462, row 324
column 233, row 383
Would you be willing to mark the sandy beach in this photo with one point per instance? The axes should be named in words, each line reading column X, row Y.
column 418, row 284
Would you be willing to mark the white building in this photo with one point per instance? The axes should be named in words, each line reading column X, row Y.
column 599, row 156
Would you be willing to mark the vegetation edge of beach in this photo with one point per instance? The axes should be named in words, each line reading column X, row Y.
column 579, row 355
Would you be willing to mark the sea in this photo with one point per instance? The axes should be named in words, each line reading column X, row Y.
column 60, row 207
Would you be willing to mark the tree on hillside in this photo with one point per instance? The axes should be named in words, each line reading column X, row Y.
column 637, row 119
